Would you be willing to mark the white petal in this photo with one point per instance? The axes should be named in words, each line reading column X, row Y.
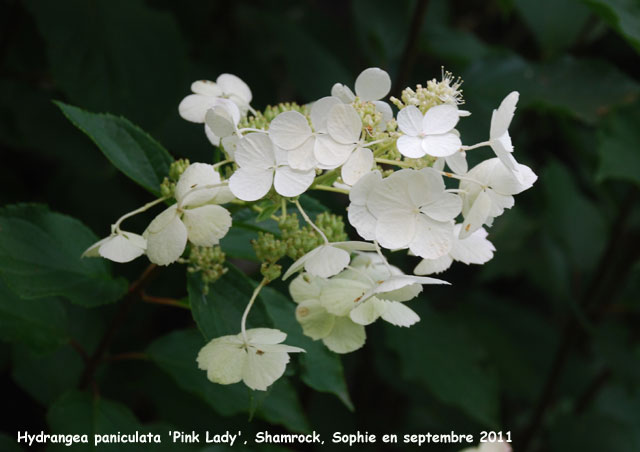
column 303, row 157
column 357, row 165
column 410, row 146
column 291, row 182
column 166, row 237
column 343, row 93
column 330, row 153
column 505, row 182
column 365, row 185
column 299, row 264
column 432, row 238
column 265, row 336
column 328, row 261
column 194, row 107
column 441, row 145
column 229, row 144
column 387, row 113
column 410, row 120
column 93, row 250
column 206, row 225
column 477, row 215
column 262, row 368
column 397, row 282
column 339, row 296
column 220, row 121
column 207, row 88
column 123, row 247
column 458, row 162
column 289, row 130
column 305, row 287
column 395, row 231
column 346, row 336
column 363, row 220
column 212, row 137
column 440, row 119
column 224, row 359
column 315, row 321
column 195, row 176
column 251, row 184
column 431, row 266
column 445, row 207
column 344, row 124
column 354, row 245
column 255, row 150
column 368, row 311
column 391, row 197
column 232, row 84
column 320, row 112
column 373, row 84
column 501, row 118
column 475, row 249
column 399, row 314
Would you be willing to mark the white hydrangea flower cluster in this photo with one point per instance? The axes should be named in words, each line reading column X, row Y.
column 391, row 168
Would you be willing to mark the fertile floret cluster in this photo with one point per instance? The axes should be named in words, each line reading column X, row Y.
column 408, row 184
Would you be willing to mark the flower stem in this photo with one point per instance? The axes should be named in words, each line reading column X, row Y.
column 478, row 145
column 399, row 163
column 311, row 223
column 219, row 164
column 116, row 226
column 332, row 189
column 243, row 322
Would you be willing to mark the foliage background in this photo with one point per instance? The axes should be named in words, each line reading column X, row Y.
column 542, row 341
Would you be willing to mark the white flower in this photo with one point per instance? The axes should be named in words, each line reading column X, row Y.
column 221, row 122
column 228, row 91
column 366, row 292
column 475, row 249
column 207, row 94
column 120, row 246
column 261, row 165
column 258, row 362
column 359, row 214
column 499, row 138
column 290, row 130
column 195, row 216
column 412, row 210
column 432, row 133
column 372, row 85
column 489, row 190
column 457, row 162
column 328, row 259
column 339, row 334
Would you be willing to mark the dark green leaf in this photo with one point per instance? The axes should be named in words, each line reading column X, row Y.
column 62, row 368
column 128, row 147
column 40, row 257
column 119, row 56
column 622, row 15
column 547, row 19
column 446, row 360
column 619, row 146
column 77, row 413
column 40, row 323
column 321, row 369
column 219, row 312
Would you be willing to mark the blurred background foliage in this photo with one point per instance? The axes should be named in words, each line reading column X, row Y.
column 542, row 341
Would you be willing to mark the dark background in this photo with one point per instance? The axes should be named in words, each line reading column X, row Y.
column 541, row 341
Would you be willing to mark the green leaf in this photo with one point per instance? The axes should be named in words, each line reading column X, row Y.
column 584, row 88
column 40, row 323
column 321, row 369
column 9, row 444
column 78, row 413
column 62, row 368
column 176, row 354
column 127, row 147
column 219, row 312
column 622, row 15
column 619, row 146
column 114, row 55
column 268, row 209
column 547, row 19
column 446, row 360
column 40, row 257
